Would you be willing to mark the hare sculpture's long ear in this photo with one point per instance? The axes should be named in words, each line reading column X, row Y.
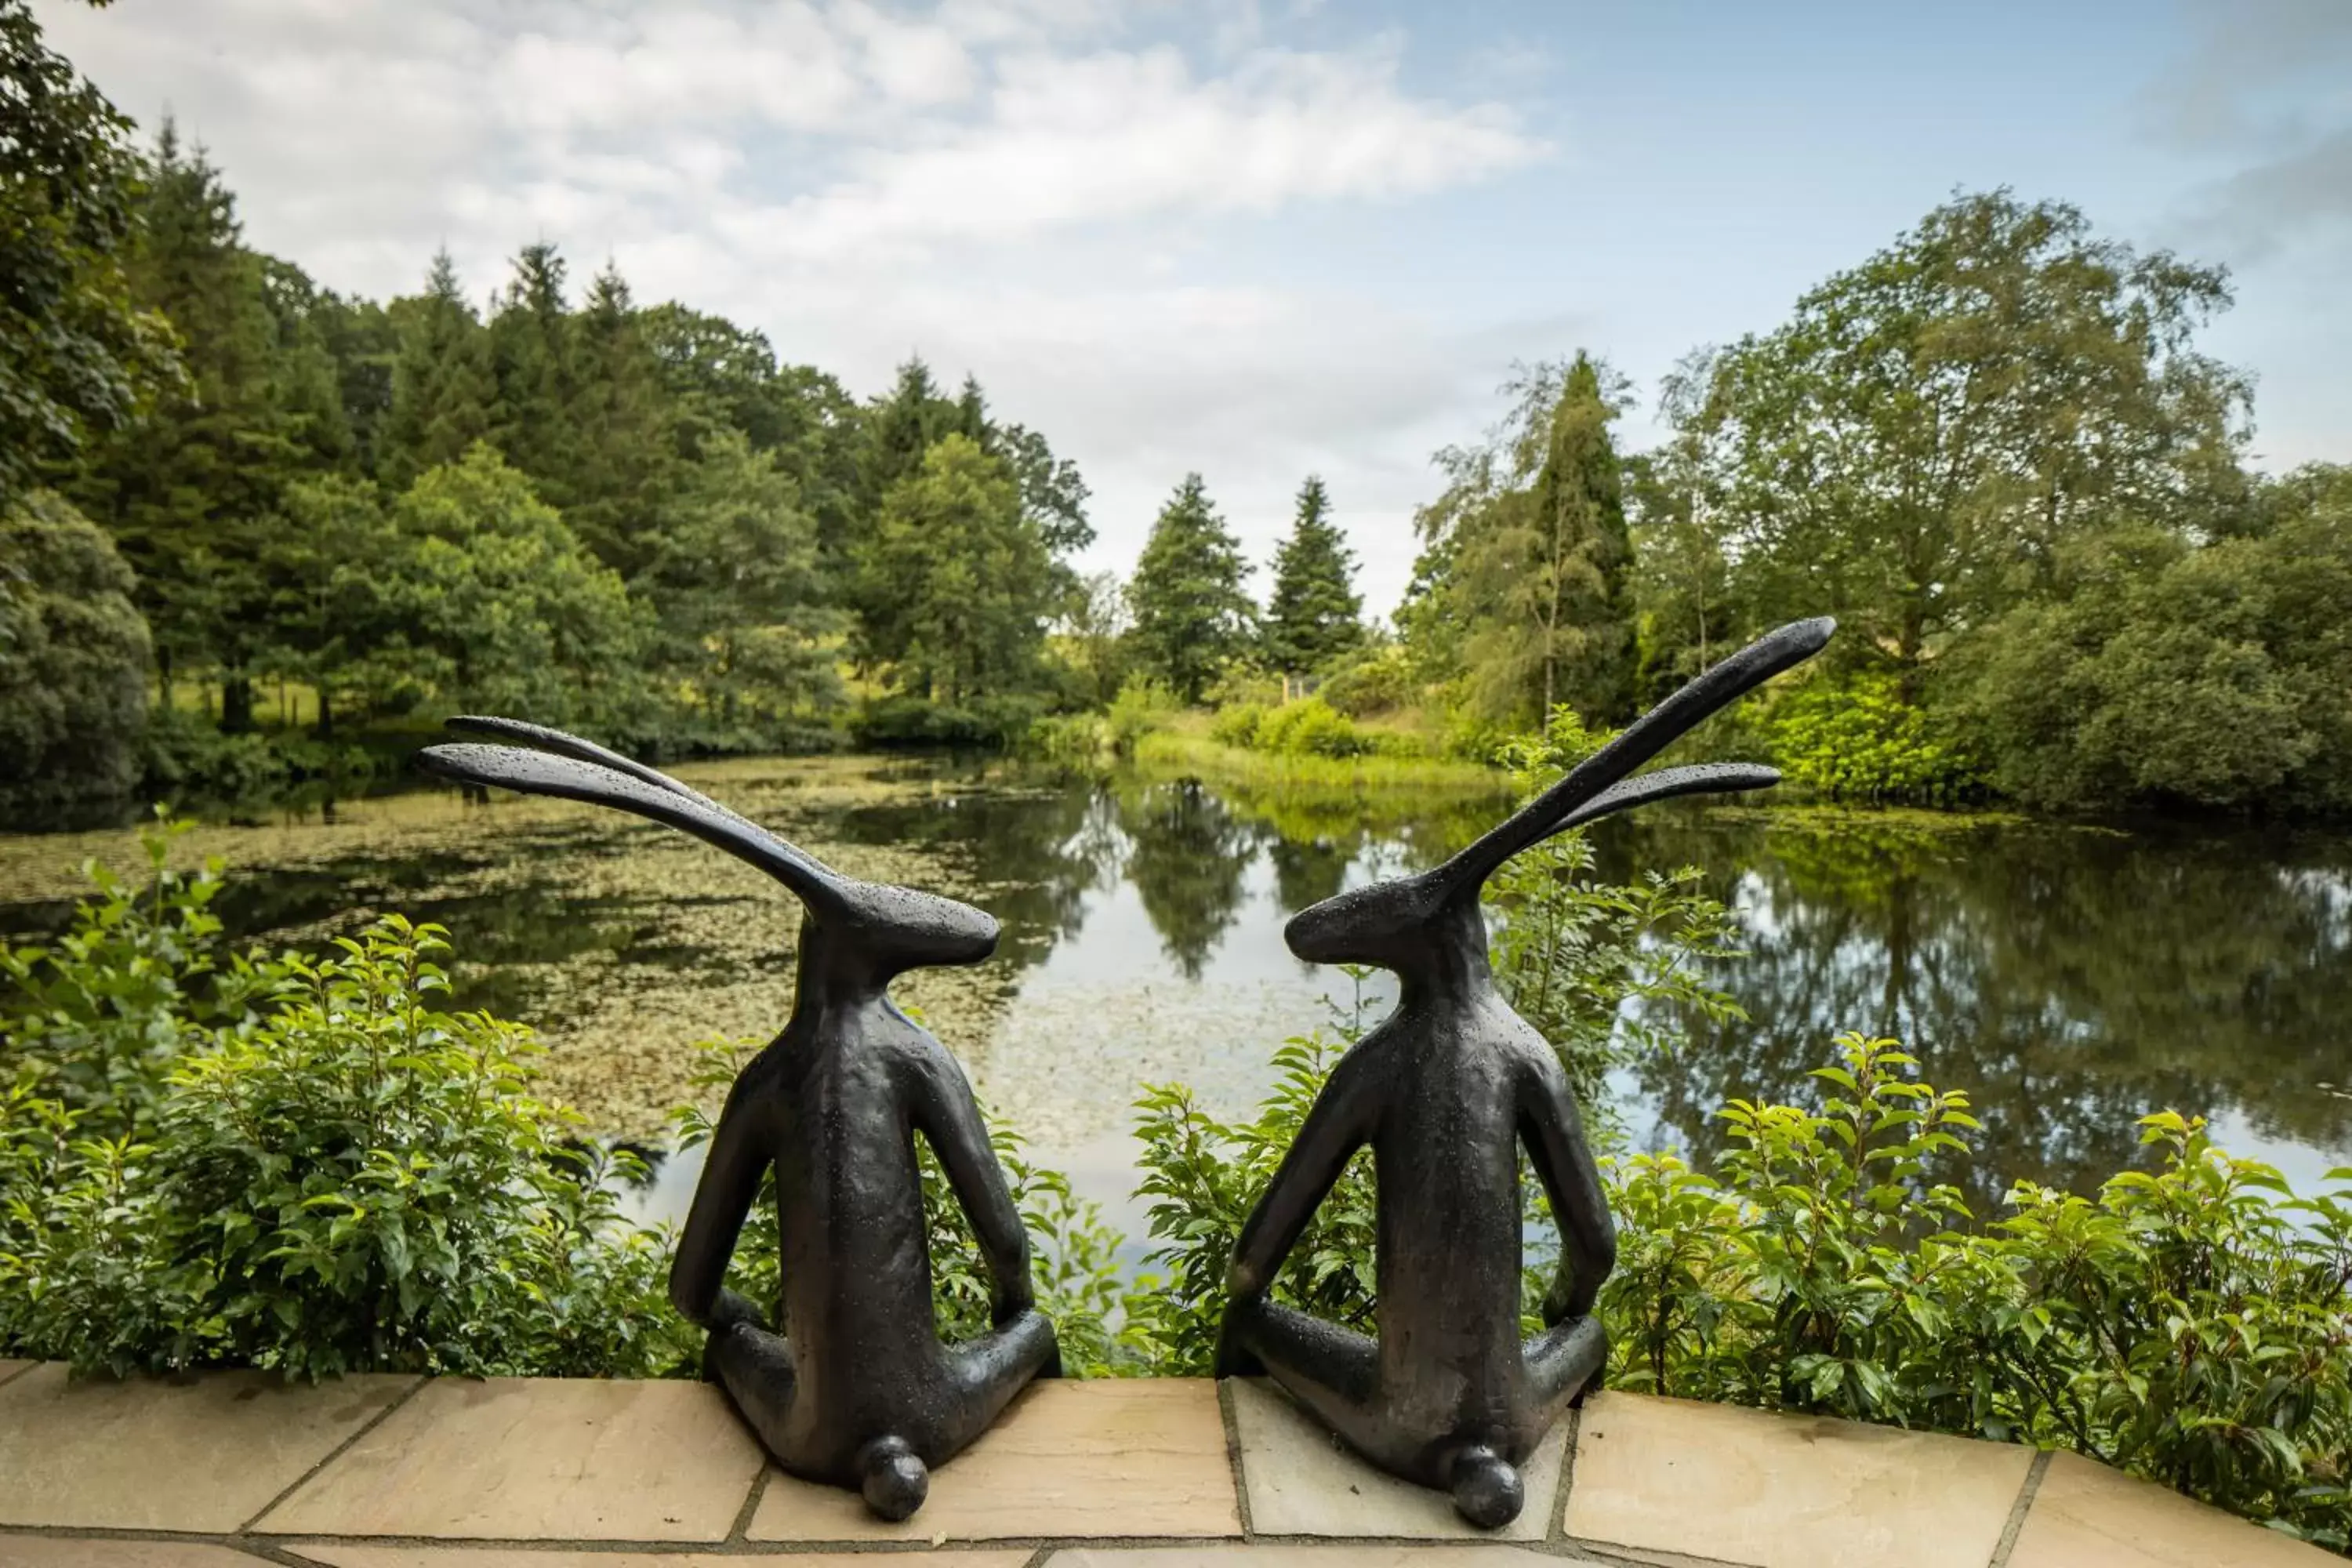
column 1597, row 785
column 540, row 738
column 575, row 769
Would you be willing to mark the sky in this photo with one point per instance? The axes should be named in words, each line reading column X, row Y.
column 1264, row 240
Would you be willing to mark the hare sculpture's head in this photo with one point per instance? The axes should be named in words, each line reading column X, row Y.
column 1400, row 925
column 875, row 928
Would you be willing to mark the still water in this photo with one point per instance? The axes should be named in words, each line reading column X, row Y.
column 2070, row 978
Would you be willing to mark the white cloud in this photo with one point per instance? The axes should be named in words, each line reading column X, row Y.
column 1040, row 190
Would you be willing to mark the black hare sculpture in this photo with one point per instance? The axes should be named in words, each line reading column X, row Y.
column 856, row 1390
column 1444, row 1090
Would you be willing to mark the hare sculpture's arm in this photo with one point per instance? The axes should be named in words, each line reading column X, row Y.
column 1335, row 1128
column 729, row 1185
column 944, row 1112
column 1553, row 1132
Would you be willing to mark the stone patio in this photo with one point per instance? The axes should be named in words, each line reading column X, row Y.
column 396, row 1472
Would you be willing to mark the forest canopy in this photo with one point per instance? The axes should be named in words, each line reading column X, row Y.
column 282, row 516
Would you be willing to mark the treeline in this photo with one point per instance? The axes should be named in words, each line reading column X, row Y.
column 1993, row 450
column 222, row 482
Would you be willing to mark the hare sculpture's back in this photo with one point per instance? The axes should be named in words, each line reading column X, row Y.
column 851, row 1384
column 1445, row 1091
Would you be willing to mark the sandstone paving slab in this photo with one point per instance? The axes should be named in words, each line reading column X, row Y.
column 9, row 1369
column 1302, row 1480
column 341, row 1556
column 1669, row 1476
column 1448, row 1554
column 2085, row 1515
column 538, row 1458
column 97, row 1552
column 1116, row 1457
column 200, row 1454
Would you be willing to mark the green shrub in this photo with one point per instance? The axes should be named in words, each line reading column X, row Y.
column 1379, row 682
column 902, row 721
column 347, row 1180
column 1310, row 727
column 186, row 758
column 1143, row 705
column 95, row 1021
column 1237, row 725
column 1859, row 741
column 1074, row 742
column 2191, row 1324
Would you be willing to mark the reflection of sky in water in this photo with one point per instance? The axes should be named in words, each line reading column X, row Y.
column 1109, row 1010
column 1998, row 1005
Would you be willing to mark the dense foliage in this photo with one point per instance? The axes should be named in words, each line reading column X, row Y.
column 295, row 1163
column 2191, row 1323
column 78, row 355
column 307, row 1162
column 1994, row 449
column 73, row 662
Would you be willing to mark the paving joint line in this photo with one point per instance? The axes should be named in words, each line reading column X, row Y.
column 2027, row 1491
column 1556, row 1529
column 336, row 1452
column 1229, row 1417
column 739, row 1529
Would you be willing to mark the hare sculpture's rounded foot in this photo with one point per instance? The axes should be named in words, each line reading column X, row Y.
column 895, row 1480
column 1486, row 1489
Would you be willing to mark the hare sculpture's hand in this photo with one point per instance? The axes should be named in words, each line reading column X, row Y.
column 1445, row 1091
column 856, row 1389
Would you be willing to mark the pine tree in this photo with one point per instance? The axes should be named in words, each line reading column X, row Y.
column 621, row 427
column 532, row 358
column 1542, row 566
column 1315, row 613
column 78, row 354
column 967, row 572
column 1191, row 613
column 442, row 390
column 191, row 497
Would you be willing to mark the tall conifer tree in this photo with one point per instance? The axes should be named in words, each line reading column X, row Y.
column 1315, row 613
column 1191, row 613
column 444, row 394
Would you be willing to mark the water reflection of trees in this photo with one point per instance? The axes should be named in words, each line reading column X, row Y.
column 2071, row 979
column 1187, row 857
column 1033, row 854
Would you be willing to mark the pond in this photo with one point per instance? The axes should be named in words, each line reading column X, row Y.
column 2070, row 978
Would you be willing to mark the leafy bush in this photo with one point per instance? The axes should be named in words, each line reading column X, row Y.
column 1379, row 682
column 1141, row 706
column 2191, row 1324
column 1237, row 725
column 1074, row 742
column 186, row 758
column 1860, row 740
column 1310, row 727
column 1205, row 1176
column 95, row 1022
column 345, row 1180
column 902, row 721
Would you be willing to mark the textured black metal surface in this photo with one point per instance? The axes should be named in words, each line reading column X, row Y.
column 850, row 1384
column 1445, row 1091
